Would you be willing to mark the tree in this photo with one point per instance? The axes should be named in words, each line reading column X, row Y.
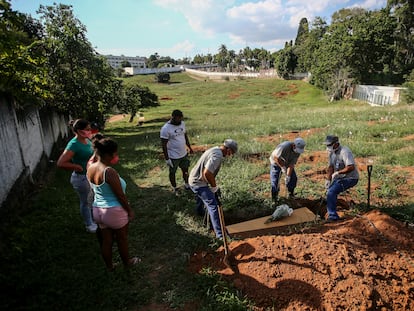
column 156, row 61
column 303, row 31
column 153, row 61
column 79, row 78
column 198, row 59
column 300, row 44
column 285, row 61
column 125, row 63
column 231, row 57
column 355, row 48
column 307, row 52
column 403, row 12
column 256, row 59
column 408, row 93
column 221, row 57
column 373, row 47
column 208, row 58
column 22, row 70
column 136, row 97
column 264, row 58
column 246, row 56
column 335, row 51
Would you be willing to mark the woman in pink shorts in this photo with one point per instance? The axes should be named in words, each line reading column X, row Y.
column 111, row 209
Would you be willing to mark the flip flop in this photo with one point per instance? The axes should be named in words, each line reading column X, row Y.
column 133, row 261
column 114, row 265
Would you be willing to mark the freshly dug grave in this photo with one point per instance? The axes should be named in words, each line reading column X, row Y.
column 365, row 262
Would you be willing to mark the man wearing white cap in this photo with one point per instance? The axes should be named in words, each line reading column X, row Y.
column 202, row 181
column 283, row 160
column 342, row 173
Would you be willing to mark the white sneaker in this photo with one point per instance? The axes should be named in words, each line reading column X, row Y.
column 91, row 228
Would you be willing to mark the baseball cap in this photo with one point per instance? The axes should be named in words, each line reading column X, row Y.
column 232, row 144
column 299, row 145
column 331, row 139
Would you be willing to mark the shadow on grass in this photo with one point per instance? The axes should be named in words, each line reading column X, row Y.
column 52, row 263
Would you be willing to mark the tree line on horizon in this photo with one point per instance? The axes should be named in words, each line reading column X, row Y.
column 51, row 64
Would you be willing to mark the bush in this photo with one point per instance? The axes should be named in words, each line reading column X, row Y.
column 162, row 77
column 408, row 93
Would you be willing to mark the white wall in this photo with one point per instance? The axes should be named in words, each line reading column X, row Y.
column 25, row 137
column 11, row 164
column 214, row 74
column 377, row 95
column 30, row 138
column 146, row 71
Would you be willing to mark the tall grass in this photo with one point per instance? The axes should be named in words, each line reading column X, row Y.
column 48, row 262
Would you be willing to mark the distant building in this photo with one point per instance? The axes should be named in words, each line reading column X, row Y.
column 135, row 61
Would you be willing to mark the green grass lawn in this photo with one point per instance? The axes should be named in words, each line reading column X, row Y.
column 49, row 262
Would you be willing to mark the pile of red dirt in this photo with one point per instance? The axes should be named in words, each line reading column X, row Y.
column 362, row 263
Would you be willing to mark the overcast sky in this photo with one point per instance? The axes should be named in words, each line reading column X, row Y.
column 184, row 28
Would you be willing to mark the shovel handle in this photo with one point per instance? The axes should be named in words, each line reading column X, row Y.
column 369, row 169
column 223, row 230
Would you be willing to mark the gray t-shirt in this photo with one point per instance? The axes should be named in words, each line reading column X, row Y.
column 285, row 152
column 211, row 159
column 343, row 157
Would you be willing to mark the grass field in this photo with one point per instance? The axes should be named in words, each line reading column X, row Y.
column 49, row 262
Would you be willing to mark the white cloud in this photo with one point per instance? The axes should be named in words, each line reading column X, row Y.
column 202, row 15
column 182, row 47
column 371, row 4
column 257, row 22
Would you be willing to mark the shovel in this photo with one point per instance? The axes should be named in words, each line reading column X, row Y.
column 369, row 169
column 224, row 233
column 319, row 208
column 323, row 200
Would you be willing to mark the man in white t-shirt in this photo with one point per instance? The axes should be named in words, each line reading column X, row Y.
column 174, row 141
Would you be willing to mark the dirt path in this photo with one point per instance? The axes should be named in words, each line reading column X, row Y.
column 117, row 117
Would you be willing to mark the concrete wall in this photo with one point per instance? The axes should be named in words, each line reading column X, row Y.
column 377, row 95
column 223, row 75
column 11, row 164
column 201, row 73
column 30, row 136
column 26, row 137
column 146, row 71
